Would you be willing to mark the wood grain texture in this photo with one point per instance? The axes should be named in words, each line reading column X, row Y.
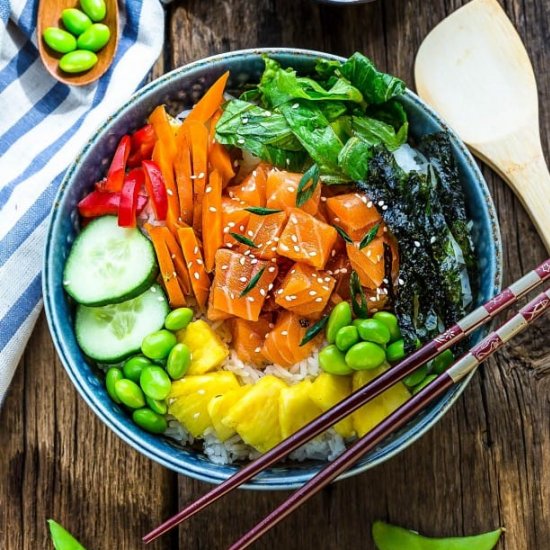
column 485, row 464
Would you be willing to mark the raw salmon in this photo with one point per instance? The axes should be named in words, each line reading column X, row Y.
column 234, row 219
column 354, row 213
column 264, row 232
column 252, row 189
column 282, row 188
column 248, row 338
column 368, row 262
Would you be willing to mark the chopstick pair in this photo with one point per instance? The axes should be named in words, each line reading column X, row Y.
column 454, row 374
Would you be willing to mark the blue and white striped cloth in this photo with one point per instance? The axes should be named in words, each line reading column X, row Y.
column 43, row 125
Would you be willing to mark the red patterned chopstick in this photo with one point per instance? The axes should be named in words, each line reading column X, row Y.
column 466, row 364
column 450, row 337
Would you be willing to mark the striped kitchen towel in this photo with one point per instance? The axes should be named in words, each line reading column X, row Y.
column 43, row 125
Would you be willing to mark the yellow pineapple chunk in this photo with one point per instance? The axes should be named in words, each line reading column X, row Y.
column 329, row 389
column 255, row 417
column 208, row 352
column 371, row 414
column 189, row 398
column 296, row 408
column 218, row 407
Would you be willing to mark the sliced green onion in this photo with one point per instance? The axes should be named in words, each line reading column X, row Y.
column 244, row 240
column 305, row 191
column 259, row 211
column 314, row 330
column 343, row 234
column 253, row 282
column 359, row 307
column 369, row 237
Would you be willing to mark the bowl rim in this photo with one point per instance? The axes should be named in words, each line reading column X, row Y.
column 78, row 379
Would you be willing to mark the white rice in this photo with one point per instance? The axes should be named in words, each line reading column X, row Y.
column 410, row 159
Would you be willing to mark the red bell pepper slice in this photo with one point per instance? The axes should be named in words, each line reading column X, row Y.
column 102, row 203
column 129, row 195
column 117, row 170
column 143, row 142
column 156, row 188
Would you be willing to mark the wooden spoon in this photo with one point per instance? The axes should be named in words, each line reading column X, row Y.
column 474, row 70
column 49, row 15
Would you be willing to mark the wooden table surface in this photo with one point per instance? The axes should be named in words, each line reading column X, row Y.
column 486, row 464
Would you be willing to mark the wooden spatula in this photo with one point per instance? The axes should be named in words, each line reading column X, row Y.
column 474, row 70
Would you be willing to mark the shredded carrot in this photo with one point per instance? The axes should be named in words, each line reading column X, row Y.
column 210, row 101
column 176, row 255
column 163, row 130
column 212, row 236
column 218, row 156
column 162, row 158
column 182, row 170
column 167, row 270
column 200, row 281
column 197, row 136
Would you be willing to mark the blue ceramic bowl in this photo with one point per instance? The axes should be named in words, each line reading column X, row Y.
column 180, row 89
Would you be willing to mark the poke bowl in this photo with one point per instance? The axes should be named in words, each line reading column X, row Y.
column 71, row 300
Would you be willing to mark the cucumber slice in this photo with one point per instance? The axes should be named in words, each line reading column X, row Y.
column 109, row 264
column 111, row 333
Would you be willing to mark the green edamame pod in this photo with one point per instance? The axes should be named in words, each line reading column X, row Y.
column 346, row 337
column 132, row 367
column 339, row 317
column 179, row 318
column 94, row 9
column 160, row 407
column 130, row 394
column 94, row 37
column 178, row 361
column 365, row 356
column 155, row 382
column 77, row 61
column 391, row 321
column 59, row 40
column 111, row 378
column 61, row 538
column 157, row 345
column 442, row 362
column 427, row 380
column 396, row 351
column 416, row 377
column 391, row 537
column 372, row 330
column 75, row 20
column 332, row 360
column 150, row 421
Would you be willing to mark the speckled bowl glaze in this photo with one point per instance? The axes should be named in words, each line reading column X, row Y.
column 178, row 90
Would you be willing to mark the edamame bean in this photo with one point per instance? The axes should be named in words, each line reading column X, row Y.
column 339, row 317
column 130, row 393
column 178, row 361
column 133, row 367
column 157, row 345
column 332, row 360
column 155, row 382
column 346, row 337
column 416, row 377
column 365, row 356
column 443, row 361
column 111, row 378
column 428, row 380
column 390, row 320
column 160, row 407
column 94, row 9
column 59, row 40
column 77, row 61
column 395, row 351
column 150, row 421
column 94, row 37
column 372, row 330
column 75, row 20
column 178, row 318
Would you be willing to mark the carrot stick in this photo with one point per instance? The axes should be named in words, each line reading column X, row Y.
column 167, row 270
column 195, row 264
column 184, row 183
column 209, row 102
column 162, row 158
column 218, row 155
column 212, row 236
column 163, row 129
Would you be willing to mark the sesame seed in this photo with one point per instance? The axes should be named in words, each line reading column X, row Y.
column 333, row 253
column 385, row 229
column 262, row 292
column 432, row 240
column 254, row 173
column 250, row 233
column 250, row 298
column 240, row 141
column 199, row 262
column 257, row 350
column 201, row 175
column 313, row 293
column 232, row 295
column 242, row 261
column 417, row 244
column 336, row 219
column 208, row 189
column 271, row 268
column 243, row 279
column 169, row 192
column 271, row 325
column 189, row 264
column 343, row 270
column 327, row 279
column 296, row 105
column 312, row 253
column 284, row 247
column 369, row 204
column 270, row 286
column 280, row 291
column 294, row 238
column 288, row 298
column 372, row 299
column 401, row 281
column 153, row 289
column 196, row 250
column 385, row 280
column 296, row 248
column 369, row 253
column 323, row 199
column 380, row 203
column 385, row 207
column 231, row 224
column 246, row 252
column 225, row 267
column 267, row 113
column 241, row 227
column 325, row 288
column 196, row 415
column 68, row 283
column 160, row 299
column 236, row 163
column 212, row 209
column 363, row 199
column 284, row 332
column 201, row 392
column 226, row 229
column 196, row 275
column 229, row 245
column 274, row 249
column 244, row 120
column 173, row 256
column 319, row 299
column 254, row 261
column 276, row 239
column 293, row 297
column 291, row 189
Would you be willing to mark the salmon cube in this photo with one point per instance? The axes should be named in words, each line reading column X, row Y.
column 248, row 338
column 234, row 216
column 306, row 239
column 252, row 190
column 282, row 189
column 234, row 273
column 368, row 262
column 264, row 232
column 305, row 291
column 354, row 213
